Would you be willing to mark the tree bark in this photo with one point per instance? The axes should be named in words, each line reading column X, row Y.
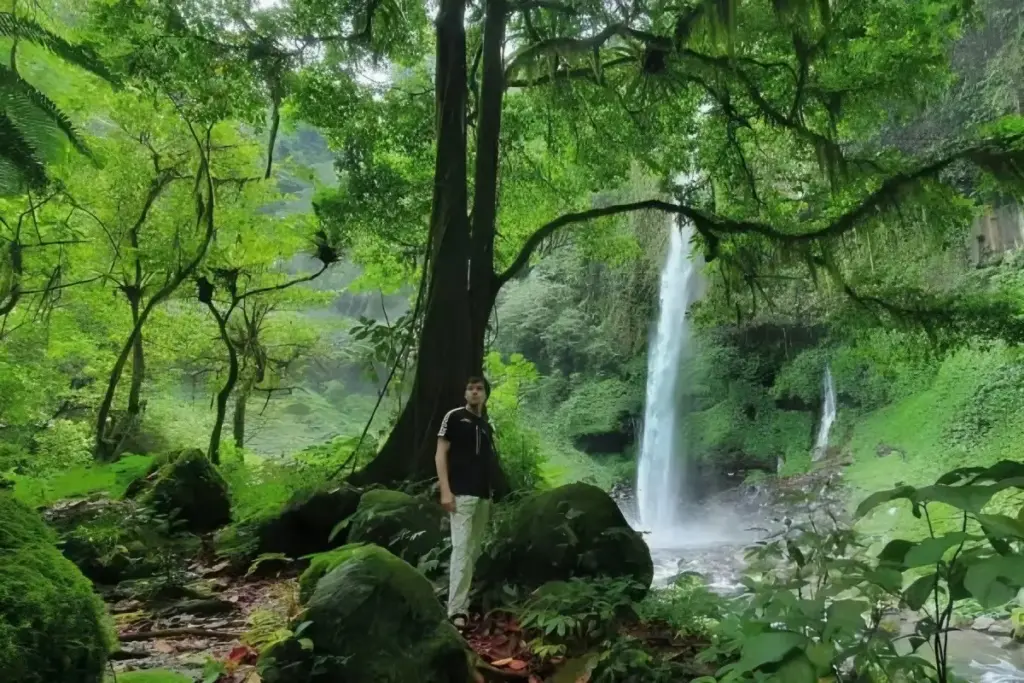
column 213, row 452
column 238, row 418
column 446, row 353
column 138, row 367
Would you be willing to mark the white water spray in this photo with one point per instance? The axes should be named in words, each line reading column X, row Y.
column 662, row 469
column 828, row 415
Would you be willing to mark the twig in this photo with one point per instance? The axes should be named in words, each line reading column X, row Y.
column 175, row 633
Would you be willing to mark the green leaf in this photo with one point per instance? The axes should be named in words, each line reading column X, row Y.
column 796, row 669
column 995, row 581
column 820, row 655
column 767, row 648
column 971, row 498
column 1001, row 526
column 931, row 550
column 881, row 497
column 845, row 616
column 886, row 577
column 895, row 552
column 917, row 593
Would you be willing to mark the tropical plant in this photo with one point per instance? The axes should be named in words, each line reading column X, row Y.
column 28, row 117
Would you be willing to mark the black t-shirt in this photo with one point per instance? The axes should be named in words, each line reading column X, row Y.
column 472, row 459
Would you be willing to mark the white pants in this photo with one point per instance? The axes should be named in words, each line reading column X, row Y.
column 469, row 526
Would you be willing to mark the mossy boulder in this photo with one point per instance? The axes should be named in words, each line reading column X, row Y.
column 112, row 541
column 571, row 531
column 373, row 617
column 53, row 627
column 190, row 489
column 321, row 565
column 408, row 526
column 301, row 527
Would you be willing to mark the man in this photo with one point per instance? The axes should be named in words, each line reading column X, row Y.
column 470, row 477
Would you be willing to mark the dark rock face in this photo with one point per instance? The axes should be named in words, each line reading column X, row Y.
column 571, row 531
column 372, row 617
column 190, row 489
column 302, row 527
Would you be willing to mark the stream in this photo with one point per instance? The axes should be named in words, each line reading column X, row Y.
column 712, row 542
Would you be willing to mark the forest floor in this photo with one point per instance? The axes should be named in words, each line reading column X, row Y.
column 213, row 634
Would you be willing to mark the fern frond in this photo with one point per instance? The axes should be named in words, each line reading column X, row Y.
column 82, row 56
column 20, row 155
column 13, row 85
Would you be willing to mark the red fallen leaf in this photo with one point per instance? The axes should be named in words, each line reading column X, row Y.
column 517, row 665
column 241, row 653
column 534, row 679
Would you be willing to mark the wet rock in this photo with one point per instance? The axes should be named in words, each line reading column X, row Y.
column 983, row 623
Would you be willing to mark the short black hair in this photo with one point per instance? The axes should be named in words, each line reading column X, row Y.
column 479, row 379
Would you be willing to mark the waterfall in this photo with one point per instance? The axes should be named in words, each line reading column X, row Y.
column 661, row 472
column 828, row 415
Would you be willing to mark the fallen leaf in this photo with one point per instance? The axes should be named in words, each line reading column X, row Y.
column 534, row 679
column 253, row 677
column 502, row 662
column 517, row 665
column 163, row 647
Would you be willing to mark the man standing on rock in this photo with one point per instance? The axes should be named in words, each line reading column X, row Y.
column 470, row 477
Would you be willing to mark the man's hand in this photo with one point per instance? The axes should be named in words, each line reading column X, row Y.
column 448, row 501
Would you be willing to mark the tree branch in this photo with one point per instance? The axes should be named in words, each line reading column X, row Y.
column 992, row 155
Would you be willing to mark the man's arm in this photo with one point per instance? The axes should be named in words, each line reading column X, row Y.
column 441, row 463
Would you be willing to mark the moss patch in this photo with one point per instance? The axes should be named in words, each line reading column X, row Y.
column 53, row 627
column 572, row 531
column 151, row 676
column 372, row 618
column 408, row 526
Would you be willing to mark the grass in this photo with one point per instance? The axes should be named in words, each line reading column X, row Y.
column 918, row 426
column 82, row 481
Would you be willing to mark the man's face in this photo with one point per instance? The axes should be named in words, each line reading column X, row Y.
column 476, row 394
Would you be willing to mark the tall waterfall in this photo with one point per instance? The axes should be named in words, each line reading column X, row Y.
column 828, row 415
column 662, row 469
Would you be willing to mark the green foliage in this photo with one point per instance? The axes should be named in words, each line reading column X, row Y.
column 109, row 479
column 519, row 444
column 572, row 617
column 598, row 406
column 53, row 626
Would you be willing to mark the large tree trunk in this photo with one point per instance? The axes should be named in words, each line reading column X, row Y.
column 446, row 354
column 462, row 285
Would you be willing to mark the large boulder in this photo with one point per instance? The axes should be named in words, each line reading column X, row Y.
column 116, row 540
column 371, row 618
column 190, row 489
column 53, row 627
column 408, row 526
column 301, row 527
column 575, row 530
